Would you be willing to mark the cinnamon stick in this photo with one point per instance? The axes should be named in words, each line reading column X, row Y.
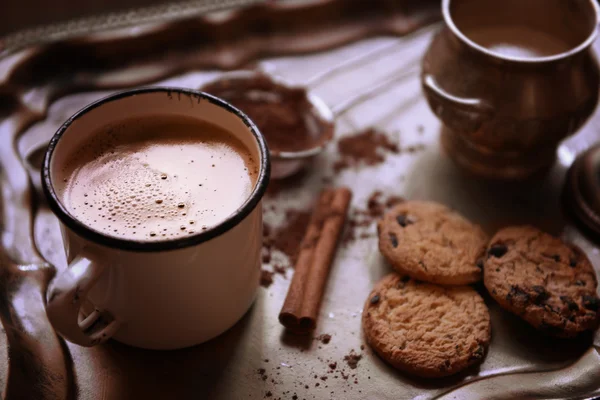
column 317, row 250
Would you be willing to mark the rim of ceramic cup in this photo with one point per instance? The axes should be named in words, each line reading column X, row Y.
column 532, row 60
column 159, row 245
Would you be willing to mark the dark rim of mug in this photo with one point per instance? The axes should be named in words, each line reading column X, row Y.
column 98, row 237
column 530, row 60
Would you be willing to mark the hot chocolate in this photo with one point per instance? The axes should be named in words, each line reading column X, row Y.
column 157, row 178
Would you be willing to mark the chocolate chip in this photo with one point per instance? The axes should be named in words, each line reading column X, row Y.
column 573, row 262
column 375, row 299
column 541, row 295
column 517, row 294
column 479, row 263
column 555, row 257
column 445, row 365
column 394, row 240
column 590, row 302
column 497, row 250
column 402, row 282
column 571, row 305
column 551, row 309
column 404, row 220
column 579, row 283
column 477, row 354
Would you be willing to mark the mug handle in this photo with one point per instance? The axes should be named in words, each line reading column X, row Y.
column 64, row 299
column 480, row 109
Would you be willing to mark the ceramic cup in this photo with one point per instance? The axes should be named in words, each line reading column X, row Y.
column 155, row 294
column 506, row 113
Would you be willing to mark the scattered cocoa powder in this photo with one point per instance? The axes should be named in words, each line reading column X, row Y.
column 377, row 205
column 279, row 269
column 392, row 201
column 266, row 278
column 414, row 148
column 266, row 230
column 327, row 180
column 263, row 374
column 324, row 338
column 287, row 238
column 333, row 365
column 266, row 257
column 364, row 148
column 352, row 359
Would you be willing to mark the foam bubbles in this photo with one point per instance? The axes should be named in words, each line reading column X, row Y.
column 144, row 187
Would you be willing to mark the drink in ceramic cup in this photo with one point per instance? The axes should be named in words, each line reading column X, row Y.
column 510, row 80
column 156, row 178
column 158, row 193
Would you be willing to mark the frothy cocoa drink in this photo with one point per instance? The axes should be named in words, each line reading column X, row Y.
column 157, row 178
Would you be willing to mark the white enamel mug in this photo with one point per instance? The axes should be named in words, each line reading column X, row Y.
column 155, row 294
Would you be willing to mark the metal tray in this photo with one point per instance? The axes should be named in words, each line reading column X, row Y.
column 362, row 58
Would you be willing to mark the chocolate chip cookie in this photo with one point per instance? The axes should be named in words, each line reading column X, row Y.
column 548, row 283
column 430, row 242
column 424, row 329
